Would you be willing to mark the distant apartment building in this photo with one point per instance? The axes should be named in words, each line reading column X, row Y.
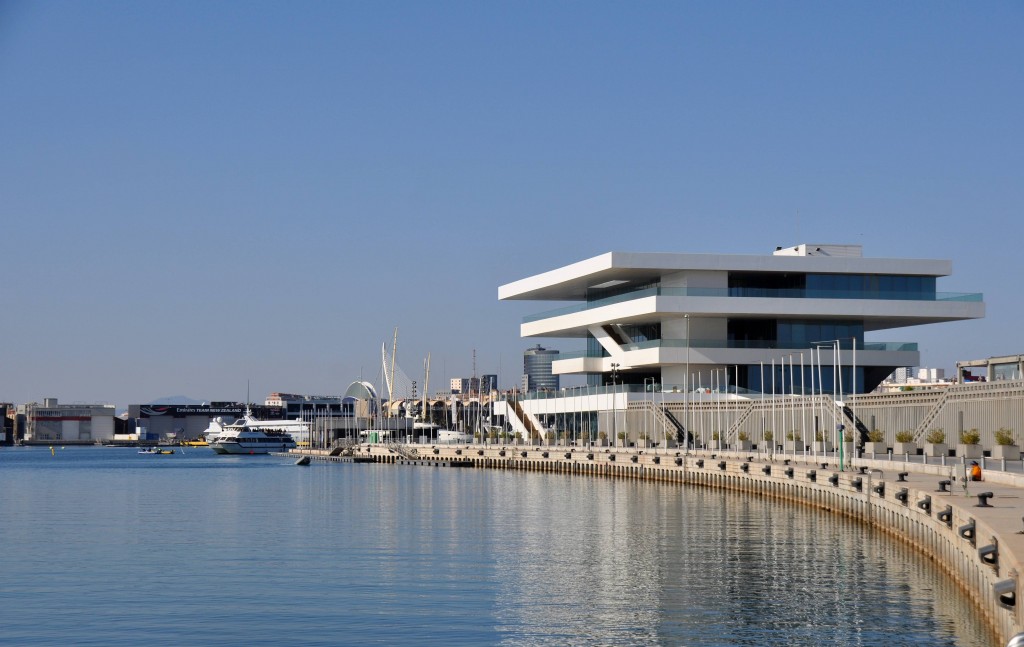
column 7, row 418
column 915, row 375
column 51, row 422
column 537, row 374
column 902, row 374
column 475, row 385
column 931, row 374
column 464, row 385
column 488, row 383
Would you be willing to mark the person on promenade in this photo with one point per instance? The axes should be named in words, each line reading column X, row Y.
column 975, row 471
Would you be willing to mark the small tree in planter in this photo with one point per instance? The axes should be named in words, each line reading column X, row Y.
column 622, row 438
column 519, row 437
column 820, row 444
column 876, row 443
column 848, row 444
column 1006, row 446
column 769, row 440
column 716, row 439
column 645, row 441
column 793, row 443
column 904, row 443
column 742, row 442
column 968, row 446
column 602, row 439
column 935, row 443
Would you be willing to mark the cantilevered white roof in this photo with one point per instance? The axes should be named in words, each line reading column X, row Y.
column 571, row 282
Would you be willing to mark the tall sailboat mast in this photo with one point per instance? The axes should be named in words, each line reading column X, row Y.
column 426, row 385
column 389, row 372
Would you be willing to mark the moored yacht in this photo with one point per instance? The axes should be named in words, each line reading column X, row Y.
column 248, row 435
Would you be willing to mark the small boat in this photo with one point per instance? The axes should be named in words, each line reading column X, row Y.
column 155, row 450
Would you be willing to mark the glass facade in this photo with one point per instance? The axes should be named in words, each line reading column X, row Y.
column 599, row 294
column 823, row 286
column 772, row 333
column 537, row 368
column 790, row 380
column 793, row 333
column 1005, row 372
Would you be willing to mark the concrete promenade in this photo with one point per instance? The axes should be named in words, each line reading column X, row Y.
column 977, row 540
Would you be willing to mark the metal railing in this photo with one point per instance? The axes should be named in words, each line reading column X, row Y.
column 756, row 344
column 763, row 293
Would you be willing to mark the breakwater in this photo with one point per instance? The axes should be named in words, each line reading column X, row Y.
column 970, row 530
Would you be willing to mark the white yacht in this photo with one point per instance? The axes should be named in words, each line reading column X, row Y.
column 247, row 435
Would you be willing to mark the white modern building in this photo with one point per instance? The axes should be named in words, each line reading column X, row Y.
column 683, row 318
column 793, row 321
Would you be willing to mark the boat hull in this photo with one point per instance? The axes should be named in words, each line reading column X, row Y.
column 251, row 447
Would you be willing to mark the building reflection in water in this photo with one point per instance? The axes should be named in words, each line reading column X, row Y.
column 620, row 562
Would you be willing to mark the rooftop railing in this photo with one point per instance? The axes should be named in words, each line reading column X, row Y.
column 846, row 344
column 762, row 293
column 582, row 390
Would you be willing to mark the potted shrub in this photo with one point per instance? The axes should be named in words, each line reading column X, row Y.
column 849, row 446
column 644, row 441
column 820, row 444
column 716, row 441
column 968, row 446
column 602, row 439
column 904, row 443
column 622, row 438
column 793, row 442
column 769, row 440
column 1006, row 446
column 876, row 443
column 935, row 443
column 742, row 443
column 518, row 437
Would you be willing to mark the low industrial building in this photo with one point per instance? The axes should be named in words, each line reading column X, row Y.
column 178, row 422
column 68, row 424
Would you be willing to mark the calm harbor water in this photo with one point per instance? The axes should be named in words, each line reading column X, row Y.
column 103, row 546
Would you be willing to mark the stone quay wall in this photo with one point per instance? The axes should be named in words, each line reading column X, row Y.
column 980, row 547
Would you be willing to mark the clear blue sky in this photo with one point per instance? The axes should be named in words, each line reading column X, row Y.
column 197, row 195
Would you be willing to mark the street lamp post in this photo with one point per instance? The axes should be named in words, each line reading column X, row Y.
column 615, row 405
column 686, row 388
column 648, row 431
column 836, row 395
